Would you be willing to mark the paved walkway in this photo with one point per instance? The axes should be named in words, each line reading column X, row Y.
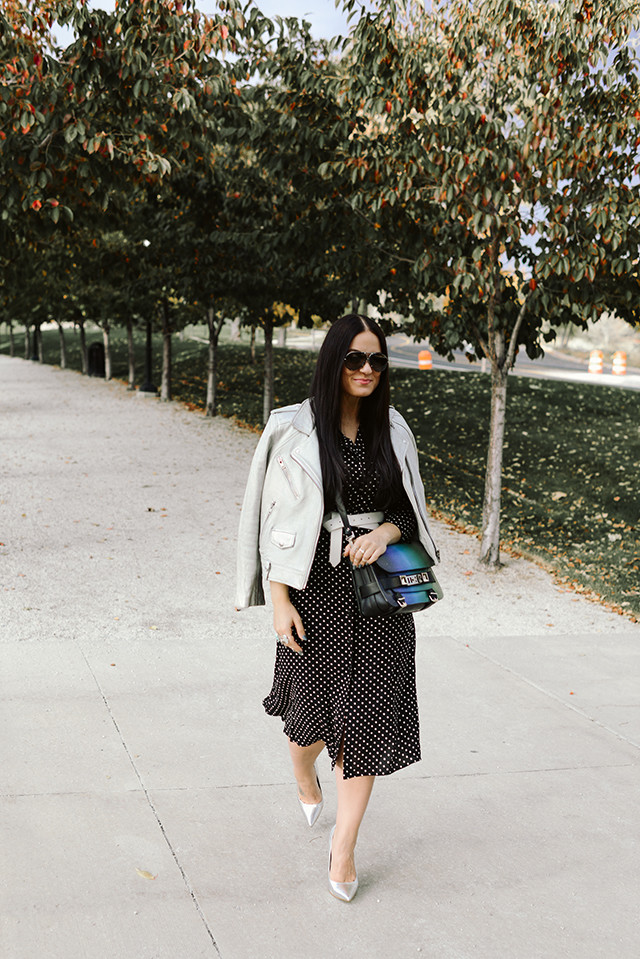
column 148, row 808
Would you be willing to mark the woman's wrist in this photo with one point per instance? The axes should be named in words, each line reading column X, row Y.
column 391, row 533
column 279, row 593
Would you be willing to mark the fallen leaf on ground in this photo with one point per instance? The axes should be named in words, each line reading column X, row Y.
column 145, row 874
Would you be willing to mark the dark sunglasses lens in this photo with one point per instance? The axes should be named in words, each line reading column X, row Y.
column 378, row 362
column 356, row 359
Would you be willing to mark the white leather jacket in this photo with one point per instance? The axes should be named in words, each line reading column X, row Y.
column 283, row 504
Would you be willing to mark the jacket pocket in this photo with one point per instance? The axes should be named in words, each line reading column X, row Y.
column 282, row 539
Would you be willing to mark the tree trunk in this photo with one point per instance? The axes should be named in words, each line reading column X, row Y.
column 12, row 345
column 165, row 389
column 502, row 354
column 37, row 346
column 132, row 356
column 63, row 348
column 27, row 343
column 212, row 370
column 107, row 351
column 253, row 343
column 490, row 544
column 147, row 385
column 267, row 404
column 83, row 348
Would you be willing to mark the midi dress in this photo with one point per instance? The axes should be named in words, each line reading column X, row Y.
column 356, row 679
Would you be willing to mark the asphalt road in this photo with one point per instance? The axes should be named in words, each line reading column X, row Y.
column 553, row 365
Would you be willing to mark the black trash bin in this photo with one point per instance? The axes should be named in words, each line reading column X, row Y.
column 95, row 356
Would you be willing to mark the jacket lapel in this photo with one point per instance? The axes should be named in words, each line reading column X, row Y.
column 307, row 454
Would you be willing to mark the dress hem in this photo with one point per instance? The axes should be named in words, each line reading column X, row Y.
column 346, row 774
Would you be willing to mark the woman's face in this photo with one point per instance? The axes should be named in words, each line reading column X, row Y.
column 361, row 383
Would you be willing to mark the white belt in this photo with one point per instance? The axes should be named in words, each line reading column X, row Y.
column 333, row 523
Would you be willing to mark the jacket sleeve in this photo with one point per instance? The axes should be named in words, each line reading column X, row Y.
column 249, row 589
column 401, row 514
column 415, row 489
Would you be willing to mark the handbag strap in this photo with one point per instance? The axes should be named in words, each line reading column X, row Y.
column 348, row 530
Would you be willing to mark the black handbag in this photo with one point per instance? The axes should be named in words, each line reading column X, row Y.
column 400, row 581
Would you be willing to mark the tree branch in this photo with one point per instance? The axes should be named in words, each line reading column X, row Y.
column 480, row 338
column 511, row 353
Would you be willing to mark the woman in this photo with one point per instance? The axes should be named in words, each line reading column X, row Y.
column 341, row 681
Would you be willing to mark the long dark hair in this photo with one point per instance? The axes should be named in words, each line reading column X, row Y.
column 326, row 396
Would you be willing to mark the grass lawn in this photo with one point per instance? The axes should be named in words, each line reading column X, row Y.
column 570, row 489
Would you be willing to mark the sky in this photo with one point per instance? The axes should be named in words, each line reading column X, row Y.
column 325, row 20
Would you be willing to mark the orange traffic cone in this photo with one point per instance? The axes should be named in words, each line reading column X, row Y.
column 424, row 360
column 619, row 367
column 595, row 361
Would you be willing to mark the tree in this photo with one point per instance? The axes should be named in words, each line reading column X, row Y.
column 496, row 145
column 180, row 94
column 102, row 281
column 137, row 97
column 125, row 98
column 298, row 246
column 30, row 85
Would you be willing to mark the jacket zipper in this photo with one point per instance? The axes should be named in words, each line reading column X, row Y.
column 314, row 479
column 285, row 469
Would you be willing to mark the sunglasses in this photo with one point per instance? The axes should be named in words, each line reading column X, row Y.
column 355, row 360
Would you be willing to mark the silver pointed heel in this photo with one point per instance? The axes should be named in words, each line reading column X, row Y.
column 311, row 811
column 345, row 891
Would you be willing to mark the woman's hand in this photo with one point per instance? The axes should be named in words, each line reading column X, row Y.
column 367, row 548
column 286, row 618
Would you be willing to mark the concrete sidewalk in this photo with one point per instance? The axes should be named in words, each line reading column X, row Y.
column 148, row 807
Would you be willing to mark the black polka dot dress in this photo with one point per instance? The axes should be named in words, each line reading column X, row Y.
column 356, row 679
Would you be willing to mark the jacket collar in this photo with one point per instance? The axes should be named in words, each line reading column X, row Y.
column 303, row 420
